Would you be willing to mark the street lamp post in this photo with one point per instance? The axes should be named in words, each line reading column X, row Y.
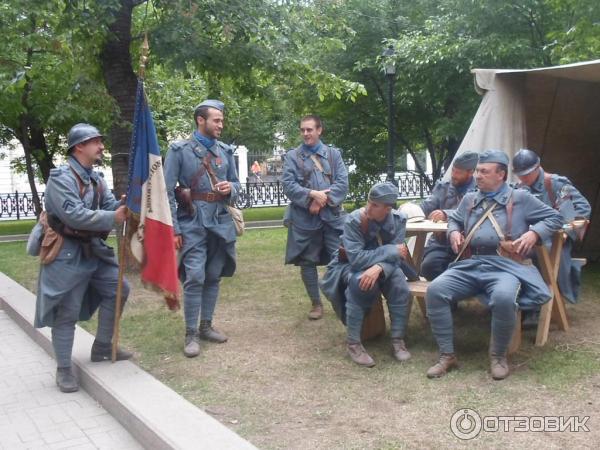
column 390, row 73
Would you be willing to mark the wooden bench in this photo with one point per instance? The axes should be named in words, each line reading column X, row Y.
column 374, row 323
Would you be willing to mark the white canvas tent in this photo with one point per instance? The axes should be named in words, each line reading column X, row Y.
column 554, row 111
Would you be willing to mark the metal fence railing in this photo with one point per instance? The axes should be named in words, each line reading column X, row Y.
column 18, row 205
column 411, row 185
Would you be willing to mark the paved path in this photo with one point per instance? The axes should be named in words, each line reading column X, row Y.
column 35, row 414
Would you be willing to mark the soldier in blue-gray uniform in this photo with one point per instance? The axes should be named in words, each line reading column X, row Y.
column 444, row 198
column 201, row 179
column 315, row 180
column 493, row 230
column 559, row 193
column 369, row 264
column 83, row 276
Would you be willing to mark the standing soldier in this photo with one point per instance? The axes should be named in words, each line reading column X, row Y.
column 559, row 193
column 315, row 180
column 493, row 230
column 370, row 264
column 444, row 198
column 201, row 179
column 82, row 275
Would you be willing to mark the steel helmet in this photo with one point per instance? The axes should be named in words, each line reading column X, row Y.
column 80, row 133
column 413, row 212
column 524, row 162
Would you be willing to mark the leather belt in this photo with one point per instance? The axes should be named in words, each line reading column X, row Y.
column 483, row 250
column 208, row 196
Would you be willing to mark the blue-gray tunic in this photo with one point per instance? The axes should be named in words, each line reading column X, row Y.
column 306, row 243
column 73, row 278
column 528, row 214
column 570, row 203
column 183, row 162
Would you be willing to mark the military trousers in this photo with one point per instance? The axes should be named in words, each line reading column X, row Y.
column 393, row 287
column 436, row 259
column 202, row 264
column 103, row 282
column 498, row 290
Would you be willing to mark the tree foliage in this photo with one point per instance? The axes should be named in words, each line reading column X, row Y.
column 66, row 61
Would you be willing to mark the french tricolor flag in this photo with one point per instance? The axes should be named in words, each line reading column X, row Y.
column 152, row 242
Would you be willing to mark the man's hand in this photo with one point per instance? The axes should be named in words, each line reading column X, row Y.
column 403, row 250
column 223, row 187
column 525, row 243
column 369, row 277
column 438, row 216
column 178, row 241
column 320, row 197
column 121, row 214
column 456, row 241
column 314, row 208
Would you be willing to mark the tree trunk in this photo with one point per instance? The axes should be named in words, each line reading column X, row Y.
column 121, row 83
column 27, row 149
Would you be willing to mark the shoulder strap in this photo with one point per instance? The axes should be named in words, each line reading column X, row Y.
column 548, row 187
column 208, row 169
column 79, row 182
column 467, row 241
column 364, row 222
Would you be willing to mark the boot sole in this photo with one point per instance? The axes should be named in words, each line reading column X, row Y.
column 67, row 390
column 431, row 377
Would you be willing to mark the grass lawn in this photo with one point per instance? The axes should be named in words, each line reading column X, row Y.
column 9, row 227
column 283, row 381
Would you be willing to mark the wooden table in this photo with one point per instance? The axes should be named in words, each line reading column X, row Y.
column 420, row 230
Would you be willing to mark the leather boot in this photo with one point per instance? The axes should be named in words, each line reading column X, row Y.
column 208, row 333
column 316, row 312
column 103, row 352
column 359, row 355
column 192, row 343
column 65, row 380
column 399, row 350
column 446, row 362
column 499, row 366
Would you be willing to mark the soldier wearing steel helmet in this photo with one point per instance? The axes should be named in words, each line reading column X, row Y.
column 559, row 193
column 83, row 276
column 444, row 198
column 201, row 179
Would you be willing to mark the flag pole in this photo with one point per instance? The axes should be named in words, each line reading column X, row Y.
column 119, row 297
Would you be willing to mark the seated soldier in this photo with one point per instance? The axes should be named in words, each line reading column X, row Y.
column 559, row 193
column 368, row 264
column 445, row 196
column 493, row 230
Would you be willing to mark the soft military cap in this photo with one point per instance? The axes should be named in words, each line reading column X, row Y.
column 466, row 161
column 217, row 104
column 493, row 156
column 386, row 193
